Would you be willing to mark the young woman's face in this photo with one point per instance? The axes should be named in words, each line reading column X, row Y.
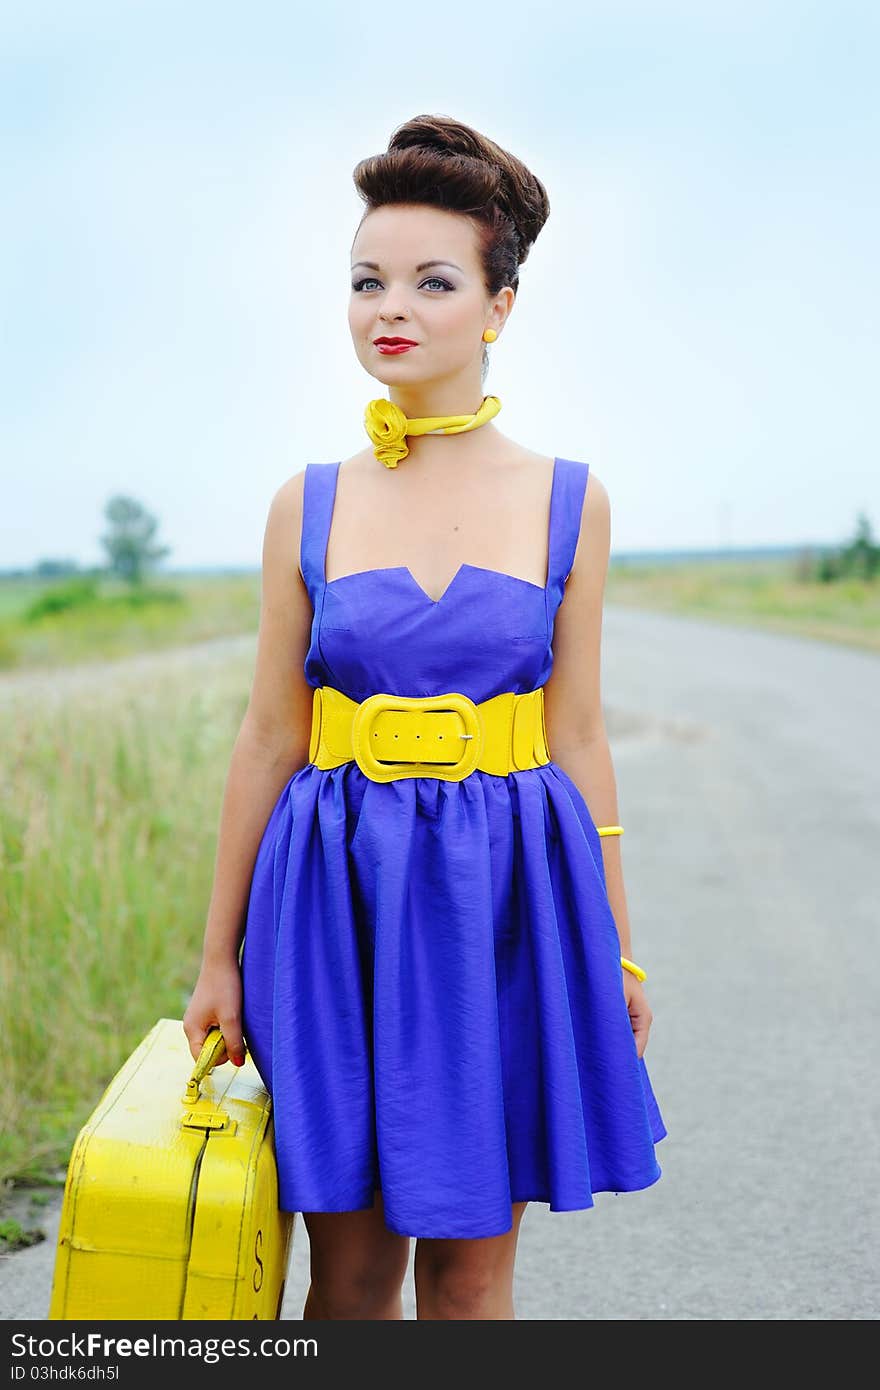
column 443, row 308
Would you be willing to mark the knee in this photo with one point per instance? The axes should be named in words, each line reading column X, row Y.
column 458, row 1291
column 358, row 1290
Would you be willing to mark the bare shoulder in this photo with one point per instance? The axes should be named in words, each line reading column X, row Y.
column 363, row 461
column 516, row 458
column 597, row 503
column 594, row 538
column 284, row 524
column 285, row 519
column 286, row 510
column 289, row 495
column 288, row 498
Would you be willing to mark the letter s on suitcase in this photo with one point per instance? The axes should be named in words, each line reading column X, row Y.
column 171, row 1200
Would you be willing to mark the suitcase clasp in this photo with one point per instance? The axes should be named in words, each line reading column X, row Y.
column 208, row 1119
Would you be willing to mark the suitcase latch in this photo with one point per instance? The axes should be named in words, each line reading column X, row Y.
column 208, row 1119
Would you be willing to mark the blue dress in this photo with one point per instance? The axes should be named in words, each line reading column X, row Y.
column 431, row 969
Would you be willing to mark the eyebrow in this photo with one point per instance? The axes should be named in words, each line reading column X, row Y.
column 423, row 265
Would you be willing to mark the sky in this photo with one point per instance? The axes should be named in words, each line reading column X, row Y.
column 698, row 319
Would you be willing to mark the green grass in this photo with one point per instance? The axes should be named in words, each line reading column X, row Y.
column 172, row 611
column 763, row 594
column 108, row 815
column 774, row 594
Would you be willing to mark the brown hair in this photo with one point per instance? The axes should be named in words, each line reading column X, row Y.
column 438, row 161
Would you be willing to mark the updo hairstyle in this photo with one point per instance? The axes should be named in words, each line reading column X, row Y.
column 438, row 161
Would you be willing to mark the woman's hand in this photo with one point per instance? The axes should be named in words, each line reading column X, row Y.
column 216, row 1003
column 639, row 1012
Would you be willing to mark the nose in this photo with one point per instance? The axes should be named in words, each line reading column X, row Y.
column 389, row 310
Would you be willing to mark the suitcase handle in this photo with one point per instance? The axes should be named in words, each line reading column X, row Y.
column 211, row 1049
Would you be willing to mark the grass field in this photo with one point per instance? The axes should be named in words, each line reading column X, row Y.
column 182, row 610
column 175, row 611
column 766, row 594
column 110, row 800
column 109, row 807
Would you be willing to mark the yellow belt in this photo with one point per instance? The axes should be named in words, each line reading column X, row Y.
column 446, row 736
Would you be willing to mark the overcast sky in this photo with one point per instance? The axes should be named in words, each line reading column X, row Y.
column 698, row 318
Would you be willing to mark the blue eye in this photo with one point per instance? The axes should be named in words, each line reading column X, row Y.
column 369, row 280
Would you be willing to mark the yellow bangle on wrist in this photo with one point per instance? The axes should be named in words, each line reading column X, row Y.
column 633, row 968
column 629, row 965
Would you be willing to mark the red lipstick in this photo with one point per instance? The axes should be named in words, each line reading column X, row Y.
column 393, row 345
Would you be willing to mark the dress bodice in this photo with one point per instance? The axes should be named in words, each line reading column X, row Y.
column 378, row 630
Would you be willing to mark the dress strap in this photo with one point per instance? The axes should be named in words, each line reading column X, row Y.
column 319, row 493
column 566, row 504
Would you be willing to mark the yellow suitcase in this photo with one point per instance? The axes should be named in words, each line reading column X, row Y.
column 171, row 1199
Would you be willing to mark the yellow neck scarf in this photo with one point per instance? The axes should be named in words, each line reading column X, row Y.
column 388, row 427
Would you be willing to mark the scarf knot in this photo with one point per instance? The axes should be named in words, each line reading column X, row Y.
column 387, row 426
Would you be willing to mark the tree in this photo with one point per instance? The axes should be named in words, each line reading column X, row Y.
column 129, row 541
column 861, row 557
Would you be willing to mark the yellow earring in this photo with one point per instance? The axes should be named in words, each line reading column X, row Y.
column 489, row 335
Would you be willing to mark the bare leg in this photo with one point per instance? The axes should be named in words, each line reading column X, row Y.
column 357, row 1265
column 467, row 1278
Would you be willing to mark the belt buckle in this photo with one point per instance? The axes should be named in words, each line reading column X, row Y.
column 378, row 771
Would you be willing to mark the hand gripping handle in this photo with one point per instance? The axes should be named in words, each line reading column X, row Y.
column 211, row 1049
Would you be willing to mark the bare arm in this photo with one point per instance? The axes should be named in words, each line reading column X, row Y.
column 271, row 744
column 575, row 721
column 273, row 739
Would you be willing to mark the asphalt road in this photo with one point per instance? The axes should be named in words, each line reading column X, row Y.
column 747, row 777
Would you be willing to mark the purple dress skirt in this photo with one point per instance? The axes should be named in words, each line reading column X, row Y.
column 431, row 969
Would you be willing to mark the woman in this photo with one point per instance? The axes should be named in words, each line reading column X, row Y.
column 435, row 982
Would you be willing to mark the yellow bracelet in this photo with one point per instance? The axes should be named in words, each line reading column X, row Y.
column 610, row 829
column 633, row 968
